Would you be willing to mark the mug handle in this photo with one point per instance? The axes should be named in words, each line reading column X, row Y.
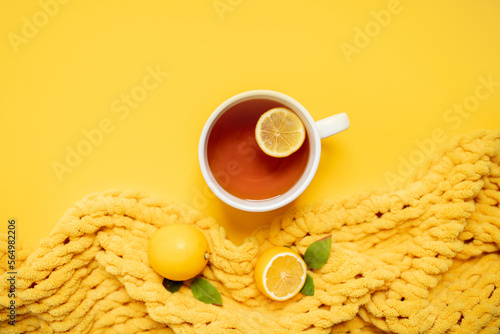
column 332, row 125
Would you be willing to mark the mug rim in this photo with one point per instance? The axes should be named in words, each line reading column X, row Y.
column 302, row 183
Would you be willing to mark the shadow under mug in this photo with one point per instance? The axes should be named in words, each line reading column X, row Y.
column 316, row 130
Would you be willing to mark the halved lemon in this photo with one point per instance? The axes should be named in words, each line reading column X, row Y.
column 279, row 132
column 280, row 273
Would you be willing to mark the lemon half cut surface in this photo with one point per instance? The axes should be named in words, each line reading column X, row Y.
column 280, row 132
column 280, row 273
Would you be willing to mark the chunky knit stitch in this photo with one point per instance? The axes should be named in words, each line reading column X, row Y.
column 421, row 259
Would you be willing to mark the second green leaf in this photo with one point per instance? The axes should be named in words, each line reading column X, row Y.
column 318, row 252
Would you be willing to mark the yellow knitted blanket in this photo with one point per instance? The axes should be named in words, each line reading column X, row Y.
column 422, row 259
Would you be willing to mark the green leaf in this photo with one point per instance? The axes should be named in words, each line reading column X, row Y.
column 172, row 286
column 205, row 292
column 318, row 252
column 308, row 288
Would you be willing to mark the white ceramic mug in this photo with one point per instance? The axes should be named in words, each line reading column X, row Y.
column 315, row 131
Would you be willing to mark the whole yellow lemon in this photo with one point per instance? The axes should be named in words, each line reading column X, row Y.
column 178, row 252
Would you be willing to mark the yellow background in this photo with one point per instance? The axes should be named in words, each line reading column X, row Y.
column 63, row 78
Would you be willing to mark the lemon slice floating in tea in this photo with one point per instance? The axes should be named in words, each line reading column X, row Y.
column 279, row 132
column 280, row 273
